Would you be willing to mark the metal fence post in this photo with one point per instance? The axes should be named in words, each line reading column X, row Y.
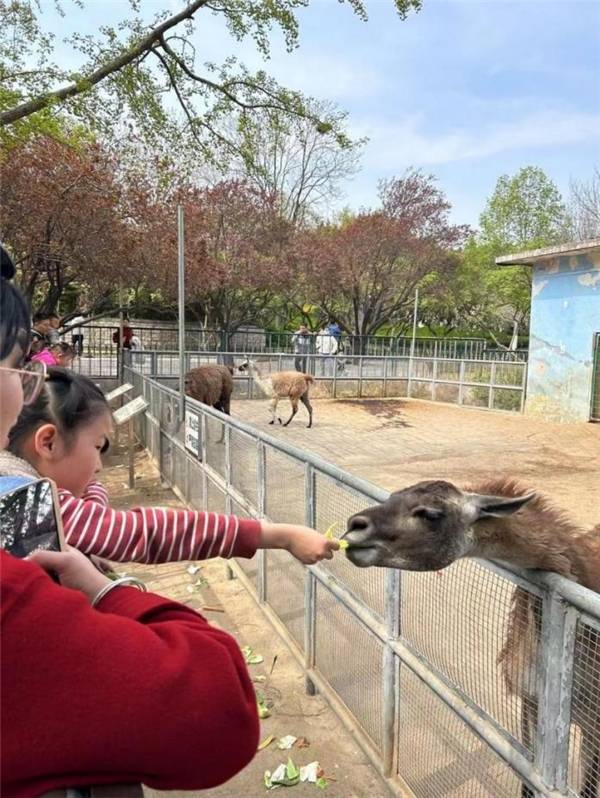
column 555, row 683
column 434, row 372
column 203, row 450
column 334, row 386
column 227, row 431
column 492, row 383
column 391, row 671
column 360, row 376
column 461, row 382
column 385, row 369
column 261, row 475
column 310, row 585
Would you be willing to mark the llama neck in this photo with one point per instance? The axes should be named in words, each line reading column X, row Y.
column 260, row 379
column 539, row 538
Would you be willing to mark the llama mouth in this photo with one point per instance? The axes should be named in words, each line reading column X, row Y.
column 363, row 555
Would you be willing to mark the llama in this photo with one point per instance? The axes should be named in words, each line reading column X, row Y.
column 431, row 524
column 291, row 384
column 212, row 385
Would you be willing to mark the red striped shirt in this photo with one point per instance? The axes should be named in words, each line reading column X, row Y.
column 152, row 534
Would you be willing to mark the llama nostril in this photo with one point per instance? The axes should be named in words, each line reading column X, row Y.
column 359, row 523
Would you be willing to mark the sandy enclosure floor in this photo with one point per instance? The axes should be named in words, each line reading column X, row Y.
column 394, row 443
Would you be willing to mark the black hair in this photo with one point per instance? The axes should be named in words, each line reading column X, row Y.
column 67, row 400
column 14, row 313
column 44, row 316
column 65, row 348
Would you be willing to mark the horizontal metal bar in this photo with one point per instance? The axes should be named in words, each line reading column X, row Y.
column 474, row 720
column 581, row 597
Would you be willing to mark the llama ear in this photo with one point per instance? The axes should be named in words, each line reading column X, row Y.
column 496, row 506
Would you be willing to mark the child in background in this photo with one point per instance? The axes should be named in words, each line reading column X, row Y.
column 62, row 436
column 59, row 354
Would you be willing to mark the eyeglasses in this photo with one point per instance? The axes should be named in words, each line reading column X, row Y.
column 32, row 379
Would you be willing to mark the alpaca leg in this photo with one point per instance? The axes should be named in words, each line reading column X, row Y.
column 306, row 402
column 273, row 410
column 221, row 437
column 529, row 711
column 294, row 403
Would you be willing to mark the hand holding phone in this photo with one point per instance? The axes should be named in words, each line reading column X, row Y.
column 73, row 570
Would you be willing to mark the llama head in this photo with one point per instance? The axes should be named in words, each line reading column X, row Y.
column 424, row 527
column 247, row 365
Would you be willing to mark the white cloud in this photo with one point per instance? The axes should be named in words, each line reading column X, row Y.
column 394, row 145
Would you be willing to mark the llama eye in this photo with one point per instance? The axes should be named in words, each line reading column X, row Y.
column 429, row 513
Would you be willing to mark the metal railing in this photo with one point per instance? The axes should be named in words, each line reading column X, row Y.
column 161, row 337
column 409, row 661
column 470, row 383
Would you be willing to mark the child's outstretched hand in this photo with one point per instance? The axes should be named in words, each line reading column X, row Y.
column 304, row 543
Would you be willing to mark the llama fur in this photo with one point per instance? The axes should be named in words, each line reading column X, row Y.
column 292, row 385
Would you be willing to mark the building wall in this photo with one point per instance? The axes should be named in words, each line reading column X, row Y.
column 565, row 314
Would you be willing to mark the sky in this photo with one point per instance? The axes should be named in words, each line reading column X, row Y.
column 466, row 90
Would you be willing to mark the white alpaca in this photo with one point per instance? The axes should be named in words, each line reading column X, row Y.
column 292, row 385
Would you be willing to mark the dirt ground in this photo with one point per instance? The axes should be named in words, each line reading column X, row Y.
column 226, row 604
column 394, row 443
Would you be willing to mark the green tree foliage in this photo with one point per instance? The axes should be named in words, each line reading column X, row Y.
column 525, row 211
column 147, row 63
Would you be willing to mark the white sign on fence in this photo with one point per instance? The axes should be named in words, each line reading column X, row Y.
column 130, row 410
column 120, row 391
column 192, row 433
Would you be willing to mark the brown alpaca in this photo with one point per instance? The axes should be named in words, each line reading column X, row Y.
column 211, row 385
column 431, row 524
column 292, row 385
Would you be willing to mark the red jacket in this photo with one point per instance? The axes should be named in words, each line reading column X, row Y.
column 139, row 689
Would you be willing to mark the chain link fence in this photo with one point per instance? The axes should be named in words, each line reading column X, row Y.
column 415, row 664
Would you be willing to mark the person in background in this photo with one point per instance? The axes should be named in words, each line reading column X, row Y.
column 103, row 684
column 136, row 342
column 127, row 334
column 327, row 345
column 334, row 329
column 301, row 341
column 60, row 354
column 77, row 333
column 46, row 325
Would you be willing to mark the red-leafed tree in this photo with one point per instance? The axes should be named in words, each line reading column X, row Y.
column 363, row 271
column 237, row 255
column 62, row 215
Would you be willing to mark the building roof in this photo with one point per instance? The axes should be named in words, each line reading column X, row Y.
column 534, row 255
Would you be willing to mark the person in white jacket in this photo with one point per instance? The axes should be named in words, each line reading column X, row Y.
column 326, row 344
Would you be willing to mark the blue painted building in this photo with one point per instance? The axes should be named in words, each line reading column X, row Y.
column 563, row 380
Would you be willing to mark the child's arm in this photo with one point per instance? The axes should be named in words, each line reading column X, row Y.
column 96, row 492
column 154, row 534
column 167, row 534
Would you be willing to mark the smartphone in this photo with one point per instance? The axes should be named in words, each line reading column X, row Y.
column 29, row 517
